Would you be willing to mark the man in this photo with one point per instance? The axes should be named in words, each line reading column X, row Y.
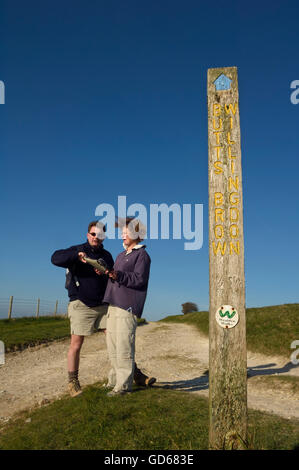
column 126, row 293
column 86, row 289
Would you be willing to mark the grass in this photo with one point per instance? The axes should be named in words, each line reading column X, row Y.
column 19, row 333
column 270, row 330
column 154, row 419
column 151, row 419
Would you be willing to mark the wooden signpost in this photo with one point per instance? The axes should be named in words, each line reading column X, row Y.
column 227, row 323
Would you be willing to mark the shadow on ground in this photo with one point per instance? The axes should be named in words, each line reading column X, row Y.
column 268, row 369
column 191, row 385
column 202, row 382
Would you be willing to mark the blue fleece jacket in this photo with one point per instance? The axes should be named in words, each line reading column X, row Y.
column 129, row 290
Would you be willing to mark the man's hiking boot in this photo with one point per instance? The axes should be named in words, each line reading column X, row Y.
column 141, row 379
column 74, row 388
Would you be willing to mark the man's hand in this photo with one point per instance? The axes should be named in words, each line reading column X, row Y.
column 98, row 272
column 81, row 256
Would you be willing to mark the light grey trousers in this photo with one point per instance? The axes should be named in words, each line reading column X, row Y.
column 120, row 337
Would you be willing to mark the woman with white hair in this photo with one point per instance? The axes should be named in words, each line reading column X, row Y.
column 126, row 293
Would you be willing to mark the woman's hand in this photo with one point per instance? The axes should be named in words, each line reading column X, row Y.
column 112, row 275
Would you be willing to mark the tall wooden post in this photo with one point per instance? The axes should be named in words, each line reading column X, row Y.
column 227, row 324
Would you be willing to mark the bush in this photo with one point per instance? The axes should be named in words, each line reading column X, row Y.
column 189, row 307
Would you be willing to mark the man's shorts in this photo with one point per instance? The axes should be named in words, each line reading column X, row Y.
column 86, row 320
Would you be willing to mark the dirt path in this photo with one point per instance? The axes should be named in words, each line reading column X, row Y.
column 176, row 354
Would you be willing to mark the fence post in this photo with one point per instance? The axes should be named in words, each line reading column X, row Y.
column 37, row 308
column 10, row 306
column 56, row 306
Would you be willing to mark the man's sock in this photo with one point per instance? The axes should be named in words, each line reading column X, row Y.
column 73, row 376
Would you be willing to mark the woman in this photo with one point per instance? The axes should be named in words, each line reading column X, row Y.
column 126, row 293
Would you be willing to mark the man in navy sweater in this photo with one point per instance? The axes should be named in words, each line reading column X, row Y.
column 86, row 290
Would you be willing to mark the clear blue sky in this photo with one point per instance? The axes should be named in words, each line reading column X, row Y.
column 109, row 98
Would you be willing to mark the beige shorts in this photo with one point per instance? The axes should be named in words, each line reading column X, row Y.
column 86, row 320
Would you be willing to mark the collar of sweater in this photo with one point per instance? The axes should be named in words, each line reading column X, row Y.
column 136, row 247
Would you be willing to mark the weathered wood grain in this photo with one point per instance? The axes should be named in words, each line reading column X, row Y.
column 227, row 368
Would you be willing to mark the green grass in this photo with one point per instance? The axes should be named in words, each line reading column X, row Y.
column 154, row 419
column 269, row 330
column 151, row 419
column 19, row 333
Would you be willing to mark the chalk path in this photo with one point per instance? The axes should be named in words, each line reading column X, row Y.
column 174, row 353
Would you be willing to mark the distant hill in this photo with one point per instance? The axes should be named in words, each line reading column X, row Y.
column 270, row 330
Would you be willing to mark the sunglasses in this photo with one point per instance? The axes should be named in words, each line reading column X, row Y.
column 93, row 234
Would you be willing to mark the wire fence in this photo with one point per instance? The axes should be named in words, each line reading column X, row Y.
column 15, row 307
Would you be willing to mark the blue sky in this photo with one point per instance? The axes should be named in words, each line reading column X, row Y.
column 109, row 98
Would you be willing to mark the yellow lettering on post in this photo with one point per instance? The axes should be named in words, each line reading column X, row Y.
column 218, row 147
column 216, row 109
column 234, row 247
column 235, row 200
column 218, row 199
column 232, row 183
column 234, row 231
column 221, row 248
column 230, row 153
column 219, row 214
column 218, row 167
column 230, row 108
column 219, row 126
column 217, row 137
column 230, row 142
column 233, row 214
column 231, row 122
column 218, row 231
column 232, row 166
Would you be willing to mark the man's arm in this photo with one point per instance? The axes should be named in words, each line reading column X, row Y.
column 65, row 258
